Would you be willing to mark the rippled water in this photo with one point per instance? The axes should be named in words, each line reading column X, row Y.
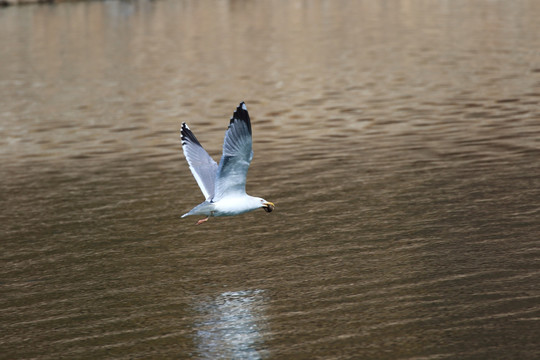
column 399, row 140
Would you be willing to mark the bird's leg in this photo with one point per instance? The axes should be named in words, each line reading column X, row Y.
column 205, row 220
column 202, row 220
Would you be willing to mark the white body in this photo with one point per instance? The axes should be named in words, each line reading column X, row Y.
column 228, row 206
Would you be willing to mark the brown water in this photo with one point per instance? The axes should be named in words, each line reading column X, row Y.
column 400, row 141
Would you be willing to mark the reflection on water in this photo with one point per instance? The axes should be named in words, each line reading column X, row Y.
column 231, row 326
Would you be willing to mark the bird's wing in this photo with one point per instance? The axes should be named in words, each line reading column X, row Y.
column 202, row 166
column 237, row 155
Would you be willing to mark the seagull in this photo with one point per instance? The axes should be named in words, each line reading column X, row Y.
column 224, row 185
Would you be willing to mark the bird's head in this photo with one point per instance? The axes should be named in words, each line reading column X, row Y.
column 267, row 205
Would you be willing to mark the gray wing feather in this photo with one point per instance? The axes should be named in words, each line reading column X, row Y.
column 202, row 166
column 237, row 155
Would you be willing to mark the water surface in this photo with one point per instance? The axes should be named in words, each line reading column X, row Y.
column 399, row 140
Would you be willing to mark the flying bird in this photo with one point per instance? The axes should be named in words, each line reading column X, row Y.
column 224, row 185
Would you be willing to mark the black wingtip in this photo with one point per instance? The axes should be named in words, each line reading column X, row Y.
column 183, row 131
column 187, row 135
column 241, row 114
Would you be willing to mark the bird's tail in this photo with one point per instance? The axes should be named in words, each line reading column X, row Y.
column 204, row 208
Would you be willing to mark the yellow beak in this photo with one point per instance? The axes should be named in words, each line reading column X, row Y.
column 268, row 206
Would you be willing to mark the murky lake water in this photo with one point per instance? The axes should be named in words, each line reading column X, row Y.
column 399, row 140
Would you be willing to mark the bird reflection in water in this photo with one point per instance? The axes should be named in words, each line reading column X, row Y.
column 232, row 325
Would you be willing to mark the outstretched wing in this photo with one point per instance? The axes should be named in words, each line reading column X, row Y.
column 202, row 166
column 237, row 155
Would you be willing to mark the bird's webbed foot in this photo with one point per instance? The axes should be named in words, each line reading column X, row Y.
column 202, row 220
